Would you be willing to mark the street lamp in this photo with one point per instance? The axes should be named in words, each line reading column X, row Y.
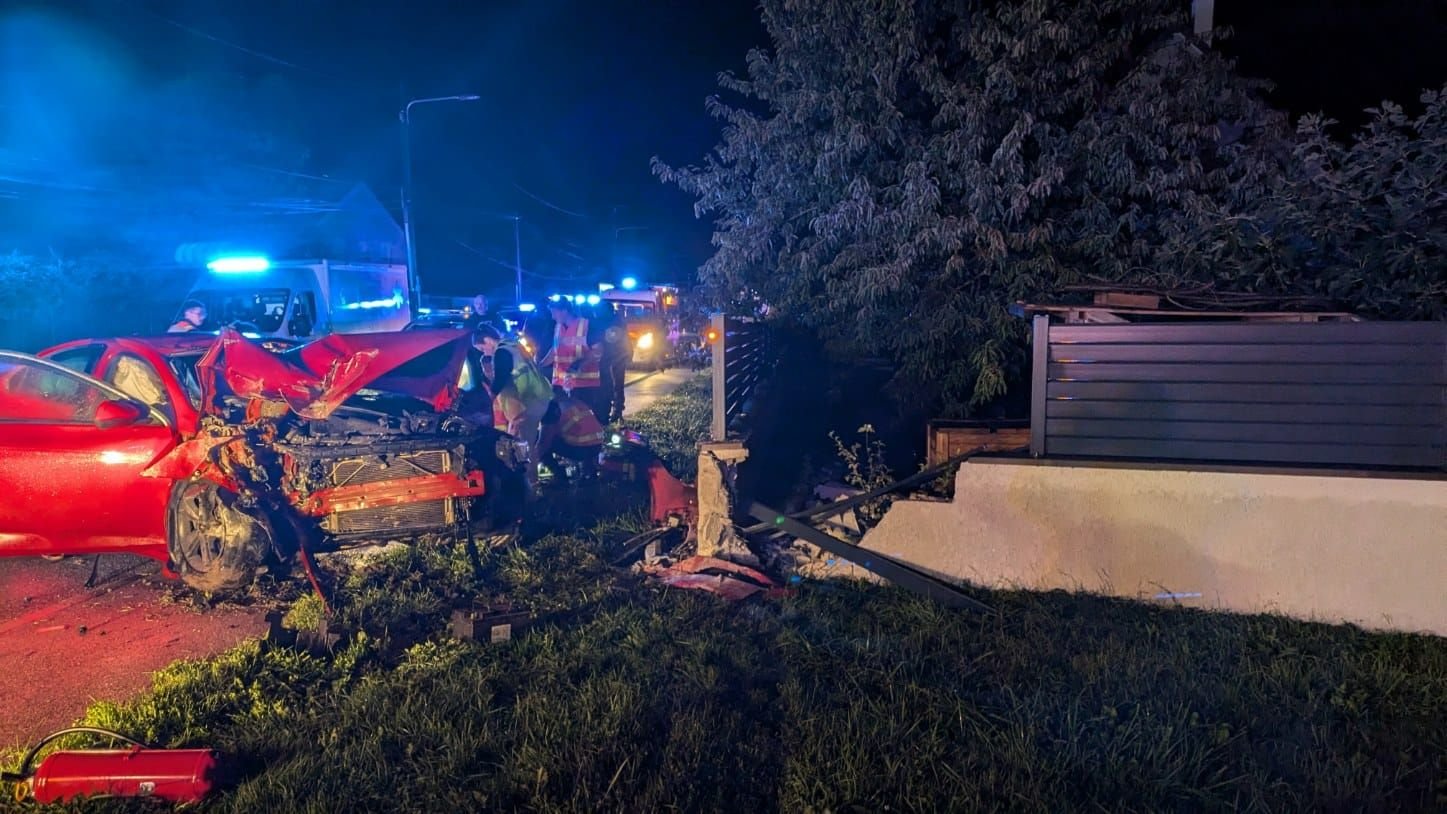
column 414, row 282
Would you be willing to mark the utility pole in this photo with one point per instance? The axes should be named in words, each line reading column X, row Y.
column 414, row 283
column 1203, row 14
column 517, row 246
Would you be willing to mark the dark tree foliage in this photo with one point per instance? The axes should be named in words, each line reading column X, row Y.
column 895, row 178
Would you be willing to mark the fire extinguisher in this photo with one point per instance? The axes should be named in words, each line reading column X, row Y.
column 171, row 775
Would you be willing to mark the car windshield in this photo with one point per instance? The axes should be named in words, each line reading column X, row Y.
column 263, row 308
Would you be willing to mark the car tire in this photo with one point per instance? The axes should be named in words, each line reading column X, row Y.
column 214, row 545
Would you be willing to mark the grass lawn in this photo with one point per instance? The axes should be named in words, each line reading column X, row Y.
column 842, row 697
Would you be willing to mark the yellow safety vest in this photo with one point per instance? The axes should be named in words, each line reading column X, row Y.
column 532, row 386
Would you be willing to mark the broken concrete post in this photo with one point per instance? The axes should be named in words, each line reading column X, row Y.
column 717, row 470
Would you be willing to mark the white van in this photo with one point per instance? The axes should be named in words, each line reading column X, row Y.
column 302, row 299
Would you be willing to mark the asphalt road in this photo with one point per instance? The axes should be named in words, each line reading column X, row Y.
column 642, row 389
column 64, row 645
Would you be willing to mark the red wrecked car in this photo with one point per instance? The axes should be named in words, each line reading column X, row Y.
column 216, row 455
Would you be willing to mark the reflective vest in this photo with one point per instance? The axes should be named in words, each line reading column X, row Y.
column 532, row 386
column 578, row 426
column 506, row 408
column 570, row 345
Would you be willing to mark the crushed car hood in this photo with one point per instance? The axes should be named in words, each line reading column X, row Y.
column 313, row 380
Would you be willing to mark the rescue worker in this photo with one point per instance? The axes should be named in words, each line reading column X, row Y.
column 520, row 393
column 193, row 316
column 575, row 357
column 570, row 429
column 617, row 353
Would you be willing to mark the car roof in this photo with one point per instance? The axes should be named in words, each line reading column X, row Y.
column 177, row 344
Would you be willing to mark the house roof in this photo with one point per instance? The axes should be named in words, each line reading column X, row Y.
column 356, row 227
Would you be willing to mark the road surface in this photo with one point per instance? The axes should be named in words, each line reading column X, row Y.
column 64, row 646
column 642, row 389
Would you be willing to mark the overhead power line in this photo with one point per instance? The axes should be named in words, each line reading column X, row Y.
column 550, row 204
column 234, row 46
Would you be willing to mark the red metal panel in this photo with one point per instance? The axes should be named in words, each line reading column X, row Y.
column 392, row 493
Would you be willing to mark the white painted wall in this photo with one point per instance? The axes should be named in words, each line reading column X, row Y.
column 1367, row 550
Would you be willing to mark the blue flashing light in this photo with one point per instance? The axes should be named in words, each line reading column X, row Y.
column 239, row 265
column 555, row 298
column 605, row 287
column 594, row 299
column 629, row 283
column 579, row 299
column 527, row 308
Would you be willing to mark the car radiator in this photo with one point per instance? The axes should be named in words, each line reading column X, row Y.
column 387, row 519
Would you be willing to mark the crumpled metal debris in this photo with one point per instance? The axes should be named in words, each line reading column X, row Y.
column 726, row 579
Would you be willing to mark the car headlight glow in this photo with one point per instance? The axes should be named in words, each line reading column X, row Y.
column 645, row 341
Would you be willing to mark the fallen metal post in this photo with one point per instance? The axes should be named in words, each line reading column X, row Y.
column 839, row 507
column 904, row 576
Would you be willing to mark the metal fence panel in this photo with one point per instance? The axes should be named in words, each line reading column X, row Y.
column 1362, row 394
column 741, row 360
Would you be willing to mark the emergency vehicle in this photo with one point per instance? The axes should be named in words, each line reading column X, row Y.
column 301, row 299
column 650, row 314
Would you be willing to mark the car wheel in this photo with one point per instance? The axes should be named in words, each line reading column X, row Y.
column 215, row 547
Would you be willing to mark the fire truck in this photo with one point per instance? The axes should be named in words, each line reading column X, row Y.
column 650, row 315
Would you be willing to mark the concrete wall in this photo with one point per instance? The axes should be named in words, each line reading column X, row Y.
column 1367, row 550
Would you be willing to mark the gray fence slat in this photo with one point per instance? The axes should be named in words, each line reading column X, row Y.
column 1342, row 352
column 1249, row 373
column 1283, row 394
column 1408, row 415
column 1362, row 455
column 1246, row 431
column 1239, row 332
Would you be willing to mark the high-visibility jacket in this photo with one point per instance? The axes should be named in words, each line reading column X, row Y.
column 532, row 386
column 570, row 345
column 506, row 408
column 578, row 426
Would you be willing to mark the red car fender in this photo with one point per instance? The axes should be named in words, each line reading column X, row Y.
column 185, row 458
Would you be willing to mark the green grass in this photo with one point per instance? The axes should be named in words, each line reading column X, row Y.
column 674, row 425
column 841, row 697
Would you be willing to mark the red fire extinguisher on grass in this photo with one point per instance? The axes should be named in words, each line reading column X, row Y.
column 172, row 775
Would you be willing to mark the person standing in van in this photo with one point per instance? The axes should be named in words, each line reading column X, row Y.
column 193, row 316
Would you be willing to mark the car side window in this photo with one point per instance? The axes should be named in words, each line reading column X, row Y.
column 81, row 360
column 34, row 393
column 136, row 378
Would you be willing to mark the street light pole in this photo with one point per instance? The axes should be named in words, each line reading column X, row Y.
column 414, row 283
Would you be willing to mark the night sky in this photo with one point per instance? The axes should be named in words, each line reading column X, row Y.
column 576, row 97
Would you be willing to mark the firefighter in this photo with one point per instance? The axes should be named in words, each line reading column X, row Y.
column 617, row 353
column 575, row 356
column 520, row 393
column 193, row 316
column 570, row 429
